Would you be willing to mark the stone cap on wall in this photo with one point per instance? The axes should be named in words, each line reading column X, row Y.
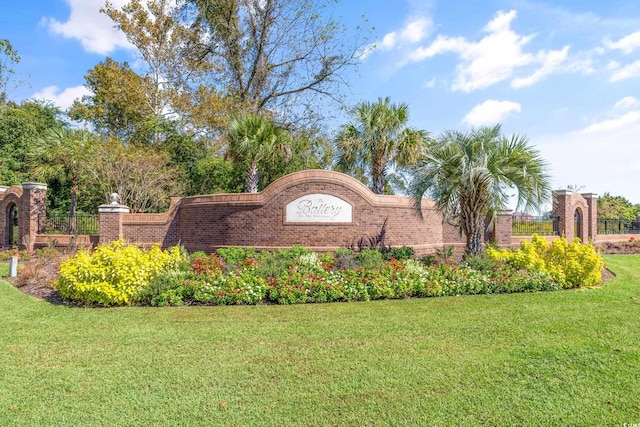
column 34, row 186
column 112, row 208
column 297, row 178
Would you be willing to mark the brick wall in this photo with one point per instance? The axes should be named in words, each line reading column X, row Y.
column 259, row 219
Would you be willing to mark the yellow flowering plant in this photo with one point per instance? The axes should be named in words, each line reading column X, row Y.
column 570, row 264
column 113, row 274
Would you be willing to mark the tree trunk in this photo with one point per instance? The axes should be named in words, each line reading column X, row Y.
column 252, row 177
column 378, row 184
column 473, row 227
column 72, row 208
column 474, row 243
column 378, row 175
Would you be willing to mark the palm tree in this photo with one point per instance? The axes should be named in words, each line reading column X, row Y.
column 468, row 175
column 377, row 140
column 62, row 154
column 255, row 139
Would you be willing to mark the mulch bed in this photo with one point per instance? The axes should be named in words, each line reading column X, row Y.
column 36, row 278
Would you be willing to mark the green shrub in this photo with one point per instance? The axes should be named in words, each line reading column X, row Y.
column 198, row 254
column 570, row 264
column 171, row 287
column 429, row 260
column 114, row 274
column 482, row 263
column 234, row 256
column 277, row 263
column 345, row 259
column 370, row 259
column 404, row 252
column 47, row 253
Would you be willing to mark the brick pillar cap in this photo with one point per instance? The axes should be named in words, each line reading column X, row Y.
column 563, row 192
column 3, row 188
column 34, row 186
column 505, row 212
column 113, row 208
column 589, row 195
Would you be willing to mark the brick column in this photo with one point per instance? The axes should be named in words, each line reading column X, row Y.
column 591, row 217
column 110, row 218
column 562, row 209
column 3, row 213
column 502, row 228
column 32, row 213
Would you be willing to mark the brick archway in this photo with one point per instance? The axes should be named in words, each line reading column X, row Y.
column 12, row 231
column 577, row 214
column 578, row 219
column 22, row 214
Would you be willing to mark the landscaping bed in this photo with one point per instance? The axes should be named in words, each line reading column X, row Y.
column 121, row 274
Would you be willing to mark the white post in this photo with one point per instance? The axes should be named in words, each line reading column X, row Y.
column 13, row 266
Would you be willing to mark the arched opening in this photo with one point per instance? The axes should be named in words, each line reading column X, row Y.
column 577, row 224
column 12, row 232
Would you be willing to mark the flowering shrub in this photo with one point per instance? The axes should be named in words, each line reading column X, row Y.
column 122, row 274
column 230, row 289
column 113, row 274
column 210, row 266
column 235, row 256
column 569, row 264
column 6, row 254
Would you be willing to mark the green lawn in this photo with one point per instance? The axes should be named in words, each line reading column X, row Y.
column 556, row 358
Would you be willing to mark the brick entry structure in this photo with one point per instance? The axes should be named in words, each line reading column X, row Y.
column 25, row 205
column 260, row 220
column 578, row 214
column 318, row 209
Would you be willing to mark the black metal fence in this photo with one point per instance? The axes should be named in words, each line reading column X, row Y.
column 618, row 226
column 78, row 224
column 526, row 226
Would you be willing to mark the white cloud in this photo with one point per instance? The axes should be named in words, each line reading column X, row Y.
column 622, row 73
column 550, row 63
column 598, row 157
column 626, row 103
column 93, row 29
column 64, row 98
column 491, row 112
column 414, row 32
column 622, row 122
column 430, row 83
column 494, row 58
column 626, row 44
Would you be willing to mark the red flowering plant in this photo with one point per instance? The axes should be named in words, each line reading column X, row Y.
column 207, row 266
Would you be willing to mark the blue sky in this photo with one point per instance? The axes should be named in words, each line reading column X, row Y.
column 565, row 73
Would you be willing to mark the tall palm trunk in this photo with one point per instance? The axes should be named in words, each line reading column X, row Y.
column 473, row 212
column 252, row 177
column 378, row 175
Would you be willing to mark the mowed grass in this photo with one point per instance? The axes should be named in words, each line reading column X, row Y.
column 556, row 358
